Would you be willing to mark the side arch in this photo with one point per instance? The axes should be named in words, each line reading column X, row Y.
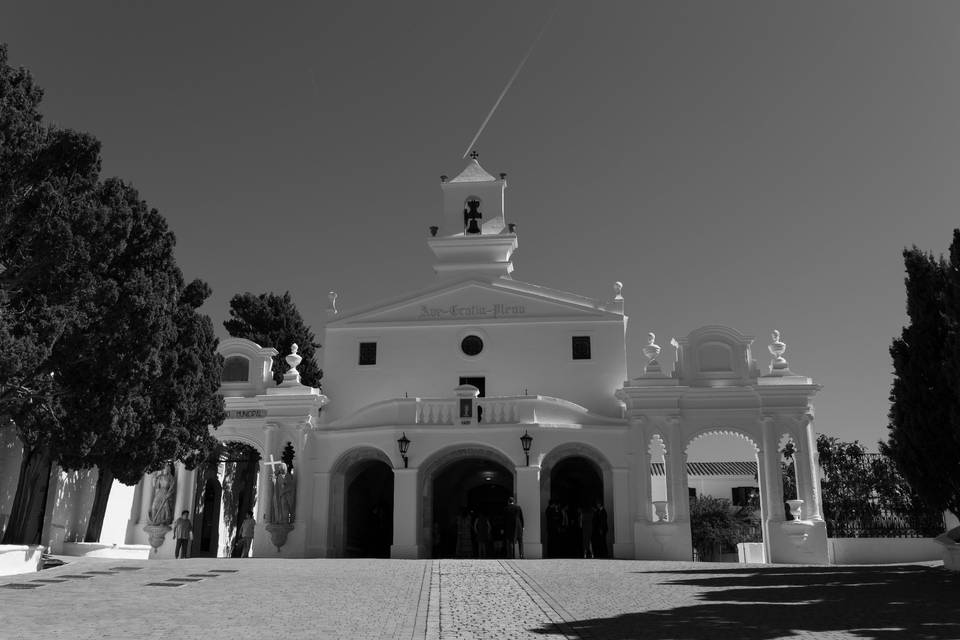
column 343, row 472
column 593, row 455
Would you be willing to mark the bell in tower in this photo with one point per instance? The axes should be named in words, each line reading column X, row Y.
column 472, row 217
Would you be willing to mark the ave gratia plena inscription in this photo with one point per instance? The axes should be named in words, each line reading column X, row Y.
column 471, row 311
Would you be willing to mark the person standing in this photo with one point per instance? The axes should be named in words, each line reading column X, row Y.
column 513, row 528
column 586, row 529
column 483, row 528
column 246, row 534
column 182, row 531
column 600, row 528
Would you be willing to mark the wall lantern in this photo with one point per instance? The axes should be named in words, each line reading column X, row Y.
column 526, row 440
column 404, row 443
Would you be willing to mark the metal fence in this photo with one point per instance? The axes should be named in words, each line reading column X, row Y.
column 864, row 496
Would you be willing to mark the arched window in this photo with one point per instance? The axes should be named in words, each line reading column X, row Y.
column 235, row 369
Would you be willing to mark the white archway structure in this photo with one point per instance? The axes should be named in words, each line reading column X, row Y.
column 717, row 387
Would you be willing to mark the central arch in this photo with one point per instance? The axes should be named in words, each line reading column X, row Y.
column 463, row 478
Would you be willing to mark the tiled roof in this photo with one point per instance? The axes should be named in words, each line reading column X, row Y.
column 712, row 468
column 474, row 173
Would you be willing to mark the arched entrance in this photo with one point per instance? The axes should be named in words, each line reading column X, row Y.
column 576, row 526
column 238, row 471
column 206, row 511
column 724, row 494
column 464, row 494
column 465, row 484
column 368, row 512
column 361, row 505
column 576, row 492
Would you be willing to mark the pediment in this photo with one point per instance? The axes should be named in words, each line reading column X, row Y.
column 476, row 301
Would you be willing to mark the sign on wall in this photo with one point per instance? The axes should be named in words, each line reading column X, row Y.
column 246, row 413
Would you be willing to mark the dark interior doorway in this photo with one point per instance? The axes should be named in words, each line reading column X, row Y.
column 206, row 513
column 465, row 491
column 576, row 487
column 369, row 511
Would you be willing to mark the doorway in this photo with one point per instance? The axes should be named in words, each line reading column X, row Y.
column 369, row 511
column 465, row 492
column 575, row 527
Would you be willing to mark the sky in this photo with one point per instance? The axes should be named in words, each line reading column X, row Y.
column 756, row 164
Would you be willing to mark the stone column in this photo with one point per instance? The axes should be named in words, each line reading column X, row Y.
column 528, row 497
column 769, row 473
column 678, row 505
column 620, row 543
column 814, row 508
column 405, row 506
column 185, row 487
column 643, row 484
column 265, row 479
column 801, row 468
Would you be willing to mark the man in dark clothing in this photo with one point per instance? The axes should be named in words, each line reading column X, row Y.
column 181, row 532
column 513, row 527
column 600, row 529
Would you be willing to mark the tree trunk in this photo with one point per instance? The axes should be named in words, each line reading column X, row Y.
column 26, row 514
column 99, row 509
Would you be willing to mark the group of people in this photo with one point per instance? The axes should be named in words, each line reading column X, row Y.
column 480, row 536
column 577, row 532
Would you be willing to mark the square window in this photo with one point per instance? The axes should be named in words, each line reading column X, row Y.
column 368, row 353
column 581, row 347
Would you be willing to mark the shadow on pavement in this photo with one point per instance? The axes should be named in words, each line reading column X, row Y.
column 884, row 603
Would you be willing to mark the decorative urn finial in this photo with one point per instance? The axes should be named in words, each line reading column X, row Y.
column 650, row 352
column 293, row 360
column 778, row 366
column 618, row 291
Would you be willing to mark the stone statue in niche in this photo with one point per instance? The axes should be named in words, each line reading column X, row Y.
column 284, row 495
column 472, row 217
column 164, row 490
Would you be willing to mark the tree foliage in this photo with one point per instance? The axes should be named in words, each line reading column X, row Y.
column 714, row 523
column 924, row 429
column 104, row 360
column 273, row 320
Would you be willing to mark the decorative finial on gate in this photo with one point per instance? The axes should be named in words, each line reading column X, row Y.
column 778, row 366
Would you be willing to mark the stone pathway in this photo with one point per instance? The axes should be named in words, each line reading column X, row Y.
column 473, row 599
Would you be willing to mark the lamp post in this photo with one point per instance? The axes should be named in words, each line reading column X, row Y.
column 403, row 442
column 526, row 440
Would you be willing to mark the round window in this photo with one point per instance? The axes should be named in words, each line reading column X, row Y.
column 471, row 345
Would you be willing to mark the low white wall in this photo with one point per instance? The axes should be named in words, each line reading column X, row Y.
column 100, row 550
column 20, row 558
column 882, row 550
column 751, row 553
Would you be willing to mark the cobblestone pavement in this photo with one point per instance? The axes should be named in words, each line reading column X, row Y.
column 472, row 599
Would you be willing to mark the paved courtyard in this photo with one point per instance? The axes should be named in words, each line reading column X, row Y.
column 359, row 599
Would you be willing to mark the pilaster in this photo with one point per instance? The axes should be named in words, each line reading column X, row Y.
column 405, row 544
column 528, row 497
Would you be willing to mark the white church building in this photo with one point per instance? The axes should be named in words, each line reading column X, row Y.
column 480, row 387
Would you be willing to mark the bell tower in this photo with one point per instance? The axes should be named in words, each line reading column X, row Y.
column 473, row 237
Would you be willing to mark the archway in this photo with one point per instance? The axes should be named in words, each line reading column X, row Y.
column 467, row 478
column 206, row 510
column 360, row 523
column 368, row 512
column 575, row 525
column 723, row 490
column 463, row 492
column 574, row 479
column 238, row 473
